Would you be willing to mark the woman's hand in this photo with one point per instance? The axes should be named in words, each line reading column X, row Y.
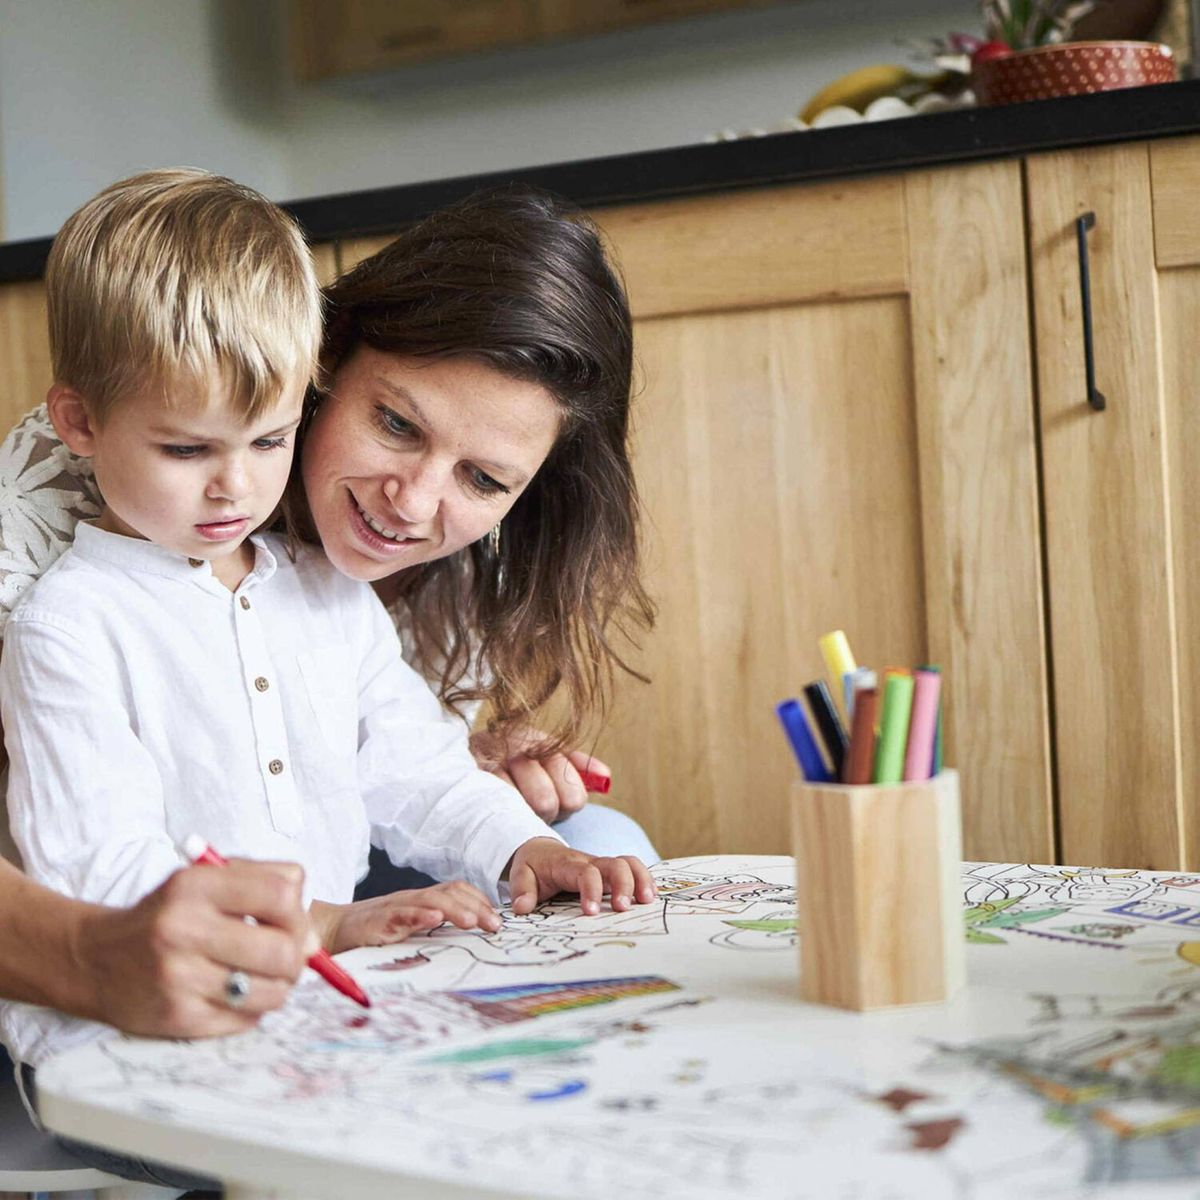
column 543, row 867
column 160, row 967
column 383, row 920
column 550, row 785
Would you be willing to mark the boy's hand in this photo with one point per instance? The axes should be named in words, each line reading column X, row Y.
column 392, row 918
column 542, row 867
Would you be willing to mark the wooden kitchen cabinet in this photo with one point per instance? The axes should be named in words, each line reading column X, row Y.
column 835, row 428
column 333, row 38
column 1122, row 495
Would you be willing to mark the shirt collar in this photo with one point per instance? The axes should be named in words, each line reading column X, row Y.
column 148, row 558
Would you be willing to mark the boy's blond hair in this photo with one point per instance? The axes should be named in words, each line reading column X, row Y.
column 170, row 277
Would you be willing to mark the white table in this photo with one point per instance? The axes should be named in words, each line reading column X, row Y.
column 698, row 1073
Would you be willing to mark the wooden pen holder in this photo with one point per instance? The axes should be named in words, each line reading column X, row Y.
column 879, row 894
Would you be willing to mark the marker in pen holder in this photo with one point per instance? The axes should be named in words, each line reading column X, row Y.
column 878, row 869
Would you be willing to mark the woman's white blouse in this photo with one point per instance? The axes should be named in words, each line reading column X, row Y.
column 142, row 701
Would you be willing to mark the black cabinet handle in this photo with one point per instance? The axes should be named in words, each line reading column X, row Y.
column 1095, row 397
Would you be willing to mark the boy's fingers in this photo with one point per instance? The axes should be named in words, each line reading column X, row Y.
column 591, row 889
column 620, row 882
column 404, row 922
column 418, row 918
column 523, row 887
column 644, row 888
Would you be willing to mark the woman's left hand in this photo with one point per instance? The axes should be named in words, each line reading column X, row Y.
column 551, row 786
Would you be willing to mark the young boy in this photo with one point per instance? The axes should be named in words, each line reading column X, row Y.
column 175, row 672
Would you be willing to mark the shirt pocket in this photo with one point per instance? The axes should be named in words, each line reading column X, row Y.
column 331, row 685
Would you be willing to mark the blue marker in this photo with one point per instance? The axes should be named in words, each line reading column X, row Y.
column 795, row 725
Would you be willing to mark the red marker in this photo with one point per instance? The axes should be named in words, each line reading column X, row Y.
column 595, row 782
column 197, row 850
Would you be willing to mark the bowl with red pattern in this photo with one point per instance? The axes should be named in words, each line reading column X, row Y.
column 1070, row 69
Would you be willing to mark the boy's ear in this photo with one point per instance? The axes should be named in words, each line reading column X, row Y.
column 69, row 416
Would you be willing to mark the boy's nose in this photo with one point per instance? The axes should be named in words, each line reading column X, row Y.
column 229, row 483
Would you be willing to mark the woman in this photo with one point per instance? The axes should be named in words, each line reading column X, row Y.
column 467, row 456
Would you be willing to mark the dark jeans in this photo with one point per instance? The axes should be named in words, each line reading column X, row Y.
column 383, row 877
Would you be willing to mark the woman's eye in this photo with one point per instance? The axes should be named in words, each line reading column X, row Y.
column 183, row 451
column 270, row 443
column 393, row 422
column 486, row 484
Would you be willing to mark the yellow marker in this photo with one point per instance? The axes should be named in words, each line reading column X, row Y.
column 839, row 662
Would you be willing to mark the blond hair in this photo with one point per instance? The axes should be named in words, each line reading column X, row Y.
column 169, row 277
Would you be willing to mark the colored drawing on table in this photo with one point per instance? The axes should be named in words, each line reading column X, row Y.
column 759, row 914
column 772, row 931
column 668, row 1066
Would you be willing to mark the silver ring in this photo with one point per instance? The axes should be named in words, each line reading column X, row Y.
column 237, row 988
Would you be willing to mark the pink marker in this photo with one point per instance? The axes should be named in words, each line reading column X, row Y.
column 927, row 688
column 197, row 850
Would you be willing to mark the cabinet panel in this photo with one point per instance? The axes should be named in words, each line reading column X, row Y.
column 1179, row 304
column 1175, row 178
column 751, row 444
column 973, row 376
column 337, row 37
column 763, row 247
column 1109, row 558
column 836, row 429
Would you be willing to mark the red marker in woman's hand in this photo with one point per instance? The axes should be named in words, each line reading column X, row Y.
column 595, row 782
column 197, row 850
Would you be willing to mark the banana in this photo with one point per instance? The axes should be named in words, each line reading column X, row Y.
column 861, row 87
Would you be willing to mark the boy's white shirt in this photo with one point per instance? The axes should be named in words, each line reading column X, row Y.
column 142, row 701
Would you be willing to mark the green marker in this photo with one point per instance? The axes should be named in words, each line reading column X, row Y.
column 893, row 728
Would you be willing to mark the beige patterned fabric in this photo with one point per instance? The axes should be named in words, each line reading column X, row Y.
column 45, row 491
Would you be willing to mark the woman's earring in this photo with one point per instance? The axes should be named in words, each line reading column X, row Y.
column 493, row 538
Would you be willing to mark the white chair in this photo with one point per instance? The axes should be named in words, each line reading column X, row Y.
column 33, row 1164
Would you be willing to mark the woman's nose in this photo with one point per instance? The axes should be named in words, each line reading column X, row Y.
column 415, row 496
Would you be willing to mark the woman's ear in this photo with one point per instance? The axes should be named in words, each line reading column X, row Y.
column 69, row 416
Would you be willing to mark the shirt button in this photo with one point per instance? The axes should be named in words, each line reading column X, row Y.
column 275, row 766
column 261, row 684
column 243, row 602
column 195, row 562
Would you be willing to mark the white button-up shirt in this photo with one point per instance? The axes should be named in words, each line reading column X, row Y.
column 143, row 701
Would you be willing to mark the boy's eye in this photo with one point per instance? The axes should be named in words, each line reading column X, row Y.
column 183, row 451
column 270, row 443
column 393, row 422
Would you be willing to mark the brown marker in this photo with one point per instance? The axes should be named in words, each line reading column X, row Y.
column 860, row 758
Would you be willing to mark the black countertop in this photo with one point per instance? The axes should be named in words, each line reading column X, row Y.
column 923, row 141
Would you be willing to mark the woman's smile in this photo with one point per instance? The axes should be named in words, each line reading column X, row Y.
column 381, row 538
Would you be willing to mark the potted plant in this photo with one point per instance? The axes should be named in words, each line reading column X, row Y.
column 1029, row 54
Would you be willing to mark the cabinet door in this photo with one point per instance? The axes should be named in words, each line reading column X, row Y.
column 834, row 429
column 1121, row 495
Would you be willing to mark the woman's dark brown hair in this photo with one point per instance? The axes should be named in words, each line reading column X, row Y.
column 519, row 280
